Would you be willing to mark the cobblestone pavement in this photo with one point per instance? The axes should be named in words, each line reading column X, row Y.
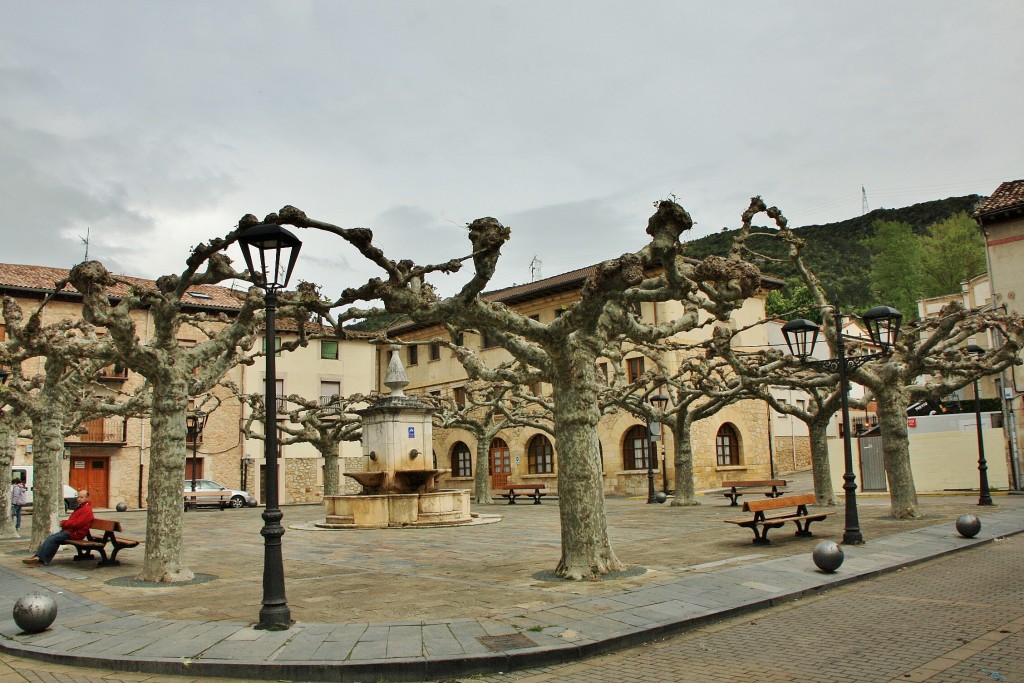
column 954, row 619
column 496, row 579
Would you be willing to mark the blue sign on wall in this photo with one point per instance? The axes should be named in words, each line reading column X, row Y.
column 412, row 432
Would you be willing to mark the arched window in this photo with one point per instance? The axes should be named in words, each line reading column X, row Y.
column 462, row 460
column 540, row 456
column 727, row 445
column 636, row 448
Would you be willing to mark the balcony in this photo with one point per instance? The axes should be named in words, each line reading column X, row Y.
column 112, row 431
column 113, row 373
column 325, row 405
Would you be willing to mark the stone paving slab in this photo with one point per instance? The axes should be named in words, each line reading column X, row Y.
column 558, row 621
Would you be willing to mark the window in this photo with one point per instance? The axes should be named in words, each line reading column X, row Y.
column 602, row 372
column 329, row 349
column 435, row 351
column 535, row 318
column 636, row 448
column 459, row 395
column 638, row 309
column 460, row 339
column 277, row 345
column 537, row 388
column 634, row 368
column 727, row 446
column 282, row 403
column 487, row 341
column 540, row 456
column 329, row 391
column 412, row 355
column 462, row 460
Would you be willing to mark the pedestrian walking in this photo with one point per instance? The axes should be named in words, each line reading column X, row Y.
column 19, row 496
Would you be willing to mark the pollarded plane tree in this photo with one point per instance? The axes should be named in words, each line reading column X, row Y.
column 496, row 399
column 697, row 383
column 322, row 424
column 55, row 398
column 928, row 361
column 762, row 371
column 566, row 349
column 12, row 421
column 175, row 371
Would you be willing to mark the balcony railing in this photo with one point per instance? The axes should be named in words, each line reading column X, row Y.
column 104, row 430
column 113, row 373
column 327, row 408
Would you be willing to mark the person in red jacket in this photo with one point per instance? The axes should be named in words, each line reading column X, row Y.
column 74, row 527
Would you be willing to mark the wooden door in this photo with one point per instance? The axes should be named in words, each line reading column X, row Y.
column 93, row 475
column 195, row 464
column 500, row 464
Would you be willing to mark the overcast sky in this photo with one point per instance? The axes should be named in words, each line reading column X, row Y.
column 157, row 125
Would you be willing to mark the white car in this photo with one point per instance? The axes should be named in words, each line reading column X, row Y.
column 238, row 499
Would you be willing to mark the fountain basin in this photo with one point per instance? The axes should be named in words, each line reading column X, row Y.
column 446, row 507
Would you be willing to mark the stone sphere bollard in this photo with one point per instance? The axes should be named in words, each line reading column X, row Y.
column 121, row 507
column 35, row 612
column 828, row 556
column 660, row 497
column 968, row 525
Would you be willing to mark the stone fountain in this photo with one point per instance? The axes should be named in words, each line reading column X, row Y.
column 399, row 484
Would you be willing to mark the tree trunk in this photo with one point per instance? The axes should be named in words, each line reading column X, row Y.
column 820, row 468
column 586, row 549
column 8, row 436
column 165, row 557
column 47, row 489
column 682, row 432
column 332, row 480
column 481, row 484
column 892, row 417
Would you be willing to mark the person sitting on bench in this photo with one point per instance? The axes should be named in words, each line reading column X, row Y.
column 74, row 527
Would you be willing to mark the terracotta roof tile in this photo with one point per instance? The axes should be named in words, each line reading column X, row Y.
column 1008, row 199
column 42, row 279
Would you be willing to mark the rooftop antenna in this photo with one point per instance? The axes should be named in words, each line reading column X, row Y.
column 535, row 265
column 85, row 241
column 863, row 200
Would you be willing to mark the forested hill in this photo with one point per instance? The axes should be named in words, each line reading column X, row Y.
column 834, row 251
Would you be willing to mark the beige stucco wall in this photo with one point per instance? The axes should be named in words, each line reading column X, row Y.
column 940, row 461
column 300, row 469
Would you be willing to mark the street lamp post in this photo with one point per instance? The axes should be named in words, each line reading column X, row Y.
column 276, row 251
column 883, row 323
column 653, row 432
column 984, row 495
column 195, row 423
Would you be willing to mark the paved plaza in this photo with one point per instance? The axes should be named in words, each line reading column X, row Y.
column 466, row 603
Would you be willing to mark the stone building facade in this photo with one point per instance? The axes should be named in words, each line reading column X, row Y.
column 110, row 456
column 732, row 444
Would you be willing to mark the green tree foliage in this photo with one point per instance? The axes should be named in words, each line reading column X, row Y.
column 952, row 253
column 895, row 266
column 835, row 251
column 792, row 302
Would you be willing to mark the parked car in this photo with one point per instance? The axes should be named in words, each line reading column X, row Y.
column 26, row 474
column 238, row 498
column 70, row 498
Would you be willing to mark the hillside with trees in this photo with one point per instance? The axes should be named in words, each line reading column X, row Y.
column 839, row 253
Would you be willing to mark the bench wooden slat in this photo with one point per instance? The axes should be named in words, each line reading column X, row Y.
column 780, row 502
column 98, row 542
column 754, row 482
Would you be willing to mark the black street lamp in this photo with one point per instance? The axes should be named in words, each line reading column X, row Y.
column 653, row 432
column 276, row 251
column 195, row 423
column 984, row 495
column 883, row 323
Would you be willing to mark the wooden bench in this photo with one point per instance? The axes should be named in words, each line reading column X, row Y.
column 733, row 494
column 198, row 499
column 108, row 534
column 760, row 524
column 536, row 491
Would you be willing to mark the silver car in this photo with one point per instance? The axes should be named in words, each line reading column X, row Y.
column 238, row 499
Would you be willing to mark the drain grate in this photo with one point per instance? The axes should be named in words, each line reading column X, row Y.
column 514, row 641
